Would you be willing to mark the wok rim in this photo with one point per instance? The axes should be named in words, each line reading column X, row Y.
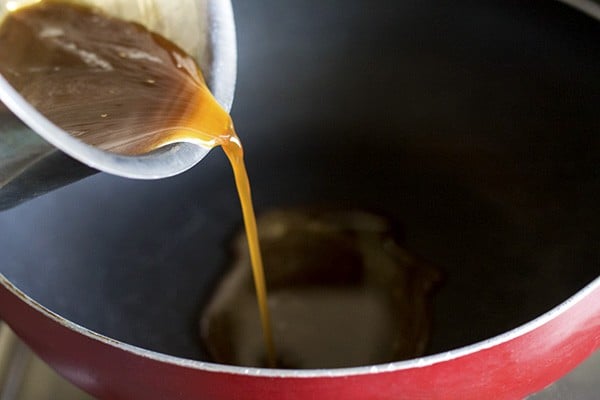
column 396, row 366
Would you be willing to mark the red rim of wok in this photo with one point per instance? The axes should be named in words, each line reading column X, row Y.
column 420, row 362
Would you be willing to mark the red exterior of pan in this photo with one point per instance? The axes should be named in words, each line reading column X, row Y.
column 509, row 366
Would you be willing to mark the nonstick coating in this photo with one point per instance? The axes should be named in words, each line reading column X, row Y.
column 473, row 123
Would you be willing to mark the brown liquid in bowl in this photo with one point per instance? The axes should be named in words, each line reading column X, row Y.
column 110, row 83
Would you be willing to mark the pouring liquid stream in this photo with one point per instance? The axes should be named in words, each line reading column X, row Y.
column 118, row 86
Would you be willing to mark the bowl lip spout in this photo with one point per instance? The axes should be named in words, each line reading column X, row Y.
column 166, row 161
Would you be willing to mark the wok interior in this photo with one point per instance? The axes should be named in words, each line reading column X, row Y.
column 474, row 125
